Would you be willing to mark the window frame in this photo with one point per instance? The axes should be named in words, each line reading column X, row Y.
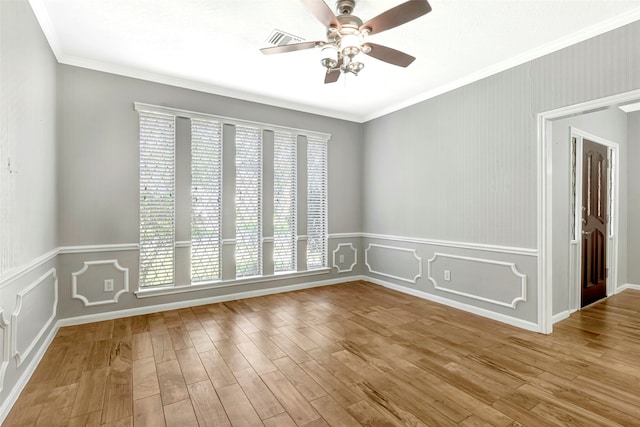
column 225, row 281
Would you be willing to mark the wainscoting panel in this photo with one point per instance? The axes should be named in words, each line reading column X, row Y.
column 485, row 280
column 82, row 275
column 35, row 309
column 345, row 254
column 394, row 262
column 498, row 282
column 4, row 348
column 89, row 284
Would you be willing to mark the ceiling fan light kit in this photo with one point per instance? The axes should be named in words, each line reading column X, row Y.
column 347, row 36
column 329, row 56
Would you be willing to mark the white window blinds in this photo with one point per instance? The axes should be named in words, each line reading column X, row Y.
column 284, row 202
column 206, row 199
column 188, row 161
column 316, row 202
column 157, row 199
column 248, row 201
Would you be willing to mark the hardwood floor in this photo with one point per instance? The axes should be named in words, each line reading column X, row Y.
column 343, row 355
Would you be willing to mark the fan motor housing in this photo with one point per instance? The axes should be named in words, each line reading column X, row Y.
column 349, row 24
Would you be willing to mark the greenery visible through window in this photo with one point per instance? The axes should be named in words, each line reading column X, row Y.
column 248, row 202
column 157, row 199
column 206, row 199
column 284, row 202
column 316, row 203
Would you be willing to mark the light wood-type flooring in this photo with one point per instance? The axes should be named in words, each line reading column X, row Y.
column 343, row 355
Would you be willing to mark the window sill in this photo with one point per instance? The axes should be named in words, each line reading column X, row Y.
column 201, row 286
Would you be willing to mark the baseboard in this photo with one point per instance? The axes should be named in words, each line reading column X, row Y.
column 523, row 324
column 98, row 317
column 78, row 320
column 560, row 316
column 6, row 406
column 627, row 286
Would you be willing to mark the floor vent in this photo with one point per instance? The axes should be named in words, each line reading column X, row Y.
column 280, row 38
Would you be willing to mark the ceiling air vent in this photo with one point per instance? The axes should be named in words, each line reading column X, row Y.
column 280, row 38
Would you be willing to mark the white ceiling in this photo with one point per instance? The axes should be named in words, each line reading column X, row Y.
column 213, row 46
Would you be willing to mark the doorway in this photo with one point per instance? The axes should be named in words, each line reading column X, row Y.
column 547, row 295
column 594, row 210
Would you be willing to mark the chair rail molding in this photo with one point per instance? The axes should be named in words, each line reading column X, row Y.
column 115, row 294
column 4, row 354
column 521, row 279
column 34, row 309
column 413, row 253
column 20, row 272
column 453, row 244
column 355, row 257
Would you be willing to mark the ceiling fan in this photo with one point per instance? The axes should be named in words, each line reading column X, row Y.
column 347, row 36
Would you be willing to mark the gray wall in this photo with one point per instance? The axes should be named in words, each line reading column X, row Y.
column 98, row 176
column 633, row 207
column 28, row 97
column 610, row 124
column 462, row 167
column 98, row 149
column 28, row 209
column 457, row 167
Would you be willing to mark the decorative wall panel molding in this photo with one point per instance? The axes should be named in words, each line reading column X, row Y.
column 91, row 288
column 339, row 251
column 35, row 311
column 496, row 282
column 4, row 347
column 394, row 262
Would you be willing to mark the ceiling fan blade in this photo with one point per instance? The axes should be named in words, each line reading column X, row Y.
column 401, row 14
column 322, row 12
column 332, row 76
column 390, row 55
column 290, row 47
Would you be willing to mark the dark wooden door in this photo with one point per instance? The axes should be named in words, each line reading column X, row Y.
column 594, row 222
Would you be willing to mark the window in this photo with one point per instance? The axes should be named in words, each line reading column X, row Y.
column 248, row 202
column 284, row 202
column 157, row 199
column 216, row 222
column 206, row 199
column 316, row 202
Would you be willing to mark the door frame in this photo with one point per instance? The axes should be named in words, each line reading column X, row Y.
column 575, row 245
column 545, row 194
